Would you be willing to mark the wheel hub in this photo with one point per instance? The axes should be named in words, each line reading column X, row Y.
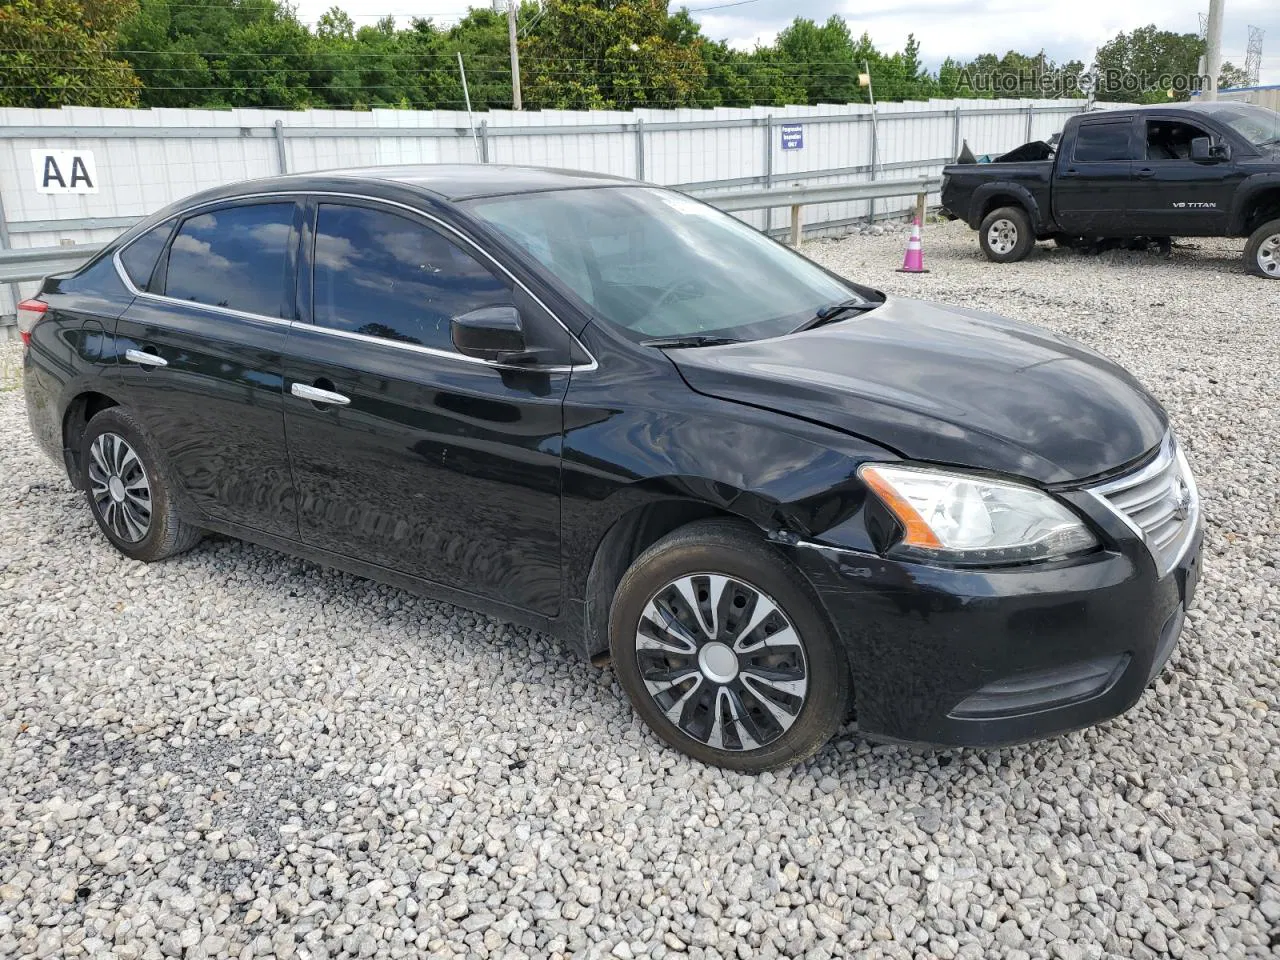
column 1269, row 256
column 722, row 661
column 119, row 487
column 1002, row 236
column 718, row 662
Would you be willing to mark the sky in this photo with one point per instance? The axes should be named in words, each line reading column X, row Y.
column 955, row 28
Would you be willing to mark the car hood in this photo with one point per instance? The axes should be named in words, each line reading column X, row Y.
column 946, row 385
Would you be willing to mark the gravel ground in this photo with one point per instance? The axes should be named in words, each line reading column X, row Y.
column 240, row 754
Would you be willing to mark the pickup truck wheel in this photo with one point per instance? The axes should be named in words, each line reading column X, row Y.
column 1262, row 253
column 1006, row 235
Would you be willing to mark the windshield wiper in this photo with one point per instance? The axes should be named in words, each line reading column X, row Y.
column 1270, row 142
column 693, row 340
column 835, row 311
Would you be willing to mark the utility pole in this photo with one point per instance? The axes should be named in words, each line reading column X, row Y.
column 515, row 55
column 1213, row 53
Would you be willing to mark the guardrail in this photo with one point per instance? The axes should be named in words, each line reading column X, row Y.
column 36, row 263
column 800, row 196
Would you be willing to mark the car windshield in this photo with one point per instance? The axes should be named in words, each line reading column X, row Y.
column 657, row 264
column 1256, row 124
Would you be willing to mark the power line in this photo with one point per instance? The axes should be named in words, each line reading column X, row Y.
column 721, row 6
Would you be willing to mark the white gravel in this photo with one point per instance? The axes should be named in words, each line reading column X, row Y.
column 240, row 754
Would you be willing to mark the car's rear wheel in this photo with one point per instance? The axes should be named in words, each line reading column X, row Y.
column 1006, row 235
column 1262, row 253
column 724, row 652
column 128, row 490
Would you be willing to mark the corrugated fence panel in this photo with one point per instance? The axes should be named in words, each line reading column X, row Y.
column 141, row 169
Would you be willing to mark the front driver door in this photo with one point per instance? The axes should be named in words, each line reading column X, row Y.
column 431, row 463
column 1174, row 195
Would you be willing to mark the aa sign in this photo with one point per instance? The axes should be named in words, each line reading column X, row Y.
column 64, row 171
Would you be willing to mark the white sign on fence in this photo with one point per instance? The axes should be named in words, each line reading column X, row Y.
column 64, row 171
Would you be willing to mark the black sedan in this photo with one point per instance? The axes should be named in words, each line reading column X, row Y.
column 771, row 496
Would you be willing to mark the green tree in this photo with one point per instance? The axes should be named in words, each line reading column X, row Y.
column 59, row 53
column 1232, row 76
column 614, row 54
column 481, row 38
column 822, row 59
column 1143, row 66
column 267, row 63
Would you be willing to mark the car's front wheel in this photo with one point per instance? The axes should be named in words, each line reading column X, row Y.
column 725, row 653
column 1262, row 252
column 128, row 490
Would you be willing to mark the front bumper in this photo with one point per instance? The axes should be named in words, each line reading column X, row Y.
column 956, row 657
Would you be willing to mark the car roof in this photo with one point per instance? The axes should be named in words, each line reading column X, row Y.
column 465, row 181
column 1212, row 106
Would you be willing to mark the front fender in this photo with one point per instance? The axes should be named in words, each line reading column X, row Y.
column 788, row 478
column 1251, row 190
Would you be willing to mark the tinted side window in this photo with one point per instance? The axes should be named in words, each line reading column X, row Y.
column 139, row 258
column 236, row 257
column 385, row 275
column 1103, row 141
column 1171, row 139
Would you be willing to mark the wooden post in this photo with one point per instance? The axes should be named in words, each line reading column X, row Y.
column 920, row 204
column 795, row 226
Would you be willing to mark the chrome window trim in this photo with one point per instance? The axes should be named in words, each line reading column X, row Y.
column 1169, row 454
column 351, row 335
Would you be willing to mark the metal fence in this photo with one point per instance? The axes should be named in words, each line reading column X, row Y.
column 144, row 159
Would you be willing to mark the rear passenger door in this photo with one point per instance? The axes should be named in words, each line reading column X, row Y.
column 1091, row 188
column 213, row 311
column 428, row 462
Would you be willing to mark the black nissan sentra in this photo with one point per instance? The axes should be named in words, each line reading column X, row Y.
column 773, row 497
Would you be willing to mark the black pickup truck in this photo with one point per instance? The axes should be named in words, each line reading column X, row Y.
column 1198, row 170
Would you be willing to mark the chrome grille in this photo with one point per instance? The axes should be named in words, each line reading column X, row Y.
column 1159, row 502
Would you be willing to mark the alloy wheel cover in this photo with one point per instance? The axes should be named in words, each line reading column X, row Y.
column 722, row 661
column 120, row 487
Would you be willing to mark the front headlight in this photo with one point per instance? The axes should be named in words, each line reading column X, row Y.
column 972, row 520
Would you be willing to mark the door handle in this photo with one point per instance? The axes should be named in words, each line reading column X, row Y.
column 142, row 358
column 316, row 395
column 1146, row 173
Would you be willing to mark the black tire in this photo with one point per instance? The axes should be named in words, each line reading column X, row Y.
column 118, row 509
column 1262, row 252
column 796, row 725
column 1006, row 235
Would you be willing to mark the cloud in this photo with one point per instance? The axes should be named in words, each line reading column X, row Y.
column 185, row 243
column 335, row 253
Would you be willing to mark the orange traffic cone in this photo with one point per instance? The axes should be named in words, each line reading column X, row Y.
column 913, row 262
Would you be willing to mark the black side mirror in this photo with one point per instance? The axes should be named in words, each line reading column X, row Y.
column 492, row 333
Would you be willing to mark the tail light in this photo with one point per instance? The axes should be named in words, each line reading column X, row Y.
column 29, row 314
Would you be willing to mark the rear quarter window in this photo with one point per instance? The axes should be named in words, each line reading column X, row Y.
column 139, row 257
